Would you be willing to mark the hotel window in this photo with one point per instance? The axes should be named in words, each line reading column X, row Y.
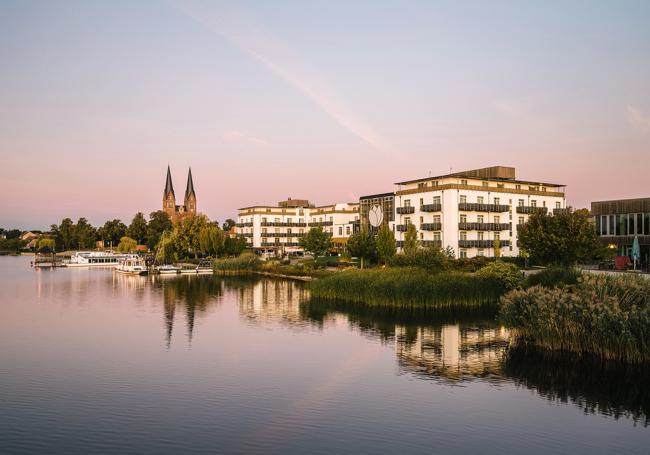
column 463, row 199
column 436, row 236
column 435, row 183
column 521, row 220
column 422, row 185
column 436, row 219
column 558, row 204
column 485, row 183
column 347, row 230
column 263, row 220
column 277, row 240
column 479, row 199
column 263, row 230
column 288, row 220
column 407, row 221
column 331, row 219
column 277, row 220
column 320, row 219
column 543, row 203
column 302, row 231
column 603, row 225
column 463, row 182
column 421, row 201
column 463, row 235
column 421, row 235
column 533, row 203
column 497, row 236
column 520, row 202
column 479, row 218
column 421, row 219
column 480, row 235
column 268, row 210
column 612, row 224
column 517, row 187
column 497, row 219
column 500, row 185
column 463, row 218
column 543, row 188
column 340, row 230
column 301, row 212
column 480, row 253
column 497, row 201
column 463, row 254
column 407, row 202
column 436, row 199
column 289, row 231
column 263, row 239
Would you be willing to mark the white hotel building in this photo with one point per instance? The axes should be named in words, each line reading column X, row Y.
column 468, row 210
column 279, row 228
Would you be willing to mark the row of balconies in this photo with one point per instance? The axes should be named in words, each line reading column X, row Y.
column 425, row 243
column 476, row 207
column 481, row 243
column 281, row 234
column 431, row 226
column 528, row 209
column 484, row 226
column 246, row 224
column 321, row 223
column 280, row 244
column 282, row 224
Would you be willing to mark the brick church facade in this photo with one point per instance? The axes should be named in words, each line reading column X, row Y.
column 177, row 212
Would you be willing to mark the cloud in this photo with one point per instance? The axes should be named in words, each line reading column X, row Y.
column 237, row 136
column 638, row 118
column 251, row 37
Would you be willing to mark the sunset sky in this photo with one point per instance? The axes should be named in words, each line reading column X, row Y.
column 325, row 100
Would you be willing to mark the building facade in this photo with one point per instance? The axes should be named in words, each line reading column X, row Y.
column 618, row 222
column 278, row 229
column 470, row 211
column 177, row 212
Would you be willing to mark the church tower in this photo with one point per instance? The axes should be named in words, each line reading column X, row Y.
column 190, row 195
column 169, row 198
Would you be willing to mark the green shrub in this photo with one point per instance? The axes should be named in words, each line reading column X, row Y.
column 408, row 287
column 430, row 258
column 244, row 262
column 608, row 316
column 556, row 276
column 470, row 264
column 508, row 274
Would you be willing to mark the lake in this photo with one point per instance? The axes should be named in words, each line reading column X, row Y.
column 95, row 362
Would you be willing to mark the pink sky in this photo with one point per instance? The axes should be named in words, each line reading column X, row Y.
column 268, row 102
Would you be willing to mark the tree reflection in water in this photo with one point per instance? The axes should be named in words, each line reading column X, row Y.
column 453, row 348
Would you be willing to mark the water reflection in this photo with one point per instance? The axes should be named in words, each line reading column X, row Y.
column 272, row 301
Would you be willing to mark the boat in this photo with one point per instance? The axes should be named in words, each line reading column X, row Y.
column 168, row 269
column 132, row 266
column 204, row 267
column 95, row 259
column 186, row 270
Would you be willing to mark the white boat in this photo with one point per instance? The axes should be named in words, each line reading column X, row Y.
column 168, row 269
column 204, row 267
column 186, row 270
column 132, row 266
column 95, row 259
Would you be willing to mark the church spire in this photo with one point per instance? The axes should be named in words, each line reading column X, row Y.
column 189, row 191
column 169, row 188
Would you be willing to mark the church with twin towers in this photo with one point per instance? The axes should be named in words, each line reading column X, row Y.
column 178, row 212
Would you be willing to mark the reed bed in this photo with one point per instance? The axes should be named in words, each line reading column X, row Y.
column 607, row 316
column 409, row 287
column 554, row 276
column 246, row 263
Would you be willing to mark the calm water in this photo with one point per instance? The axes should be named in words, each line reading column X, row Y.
column 91, row 362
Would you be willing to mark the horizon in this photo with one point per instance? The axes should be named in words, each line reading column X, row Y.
column 322, row 101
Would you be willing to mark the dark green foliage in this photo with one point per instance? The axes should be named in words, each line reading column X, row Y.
column 316, row 241
column 564, row 238
column 246, row 262
column 228, row 224
column 234, row 246
column 470, row 264
column 555, row 276
column 386, row 244
column 138, row 228
column 11, row 234
column 508, row 274
column 408, row 287
column 429, row 258
column 112, row 232
column 411, row 243
column 363, row 246
column 85, row 235
column 159, row 222
column 11, row 246
column 608, row 316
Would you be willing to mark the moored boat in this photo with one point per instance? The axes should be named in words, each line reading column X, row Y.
column 168, row 269
column 95, row 259
column 204, row 267
column 132, row 266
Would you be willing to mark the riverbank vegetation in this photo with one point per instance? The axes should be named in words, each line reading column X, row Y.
column 607, row 316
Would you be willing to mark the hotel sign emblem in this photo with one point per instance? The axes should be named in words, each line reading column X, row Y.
column 376, row 216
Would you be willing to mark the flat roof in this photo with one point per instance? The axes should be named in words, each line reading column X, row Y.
column 372, row 196
column 493, row 173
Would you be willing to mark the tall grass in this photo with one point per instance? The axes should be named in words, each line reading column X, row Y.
column 245, row 263
column 608, row 316
column 408, row 287
column 554, row 276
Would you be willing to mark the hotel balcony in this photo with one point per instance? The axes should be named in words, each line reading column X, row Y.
column 282, row 224
column 529, row 209
column 401, row 227
column 425, row 243
column 474, row 207
column 561, row 211
column 281, row 234
column 484, row 226
column 247, row 224
column 431, row 208
column 431, row 226
column 481, row 243
column 246, row 234
column 279, row 244
column 320, row 223
column 405, row 210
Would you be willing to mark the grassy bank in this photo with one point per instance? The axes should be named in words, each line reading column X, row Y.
column 607, row 316
column 248, row 264
column 408, row 287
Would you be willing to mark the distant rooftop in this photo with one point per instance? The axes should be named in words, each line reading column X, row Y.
column 500, row 173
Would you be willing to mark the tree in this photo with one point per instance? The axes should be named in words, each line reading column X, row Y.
column 45, row 245
column 386, row 244
column 112, row 232
column 362, row 245
column 185, row 236
column 234, row 246
column 138, row 228
column 211, row 240
column 159, row 222
column 12, row 233
column 316, row 241
column 67, row 234
column 85, row 234
column 496, row 244
column 411, row 242
column 228, row 224
column 563, row 238
column 126, row 244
